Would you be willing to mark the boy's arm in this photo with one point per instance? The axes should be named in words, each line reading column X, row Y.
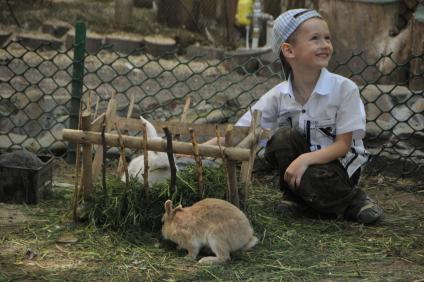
column 297, row 168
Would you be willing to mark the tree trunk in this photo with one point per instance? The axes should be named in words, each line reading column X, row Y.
column 417, row 63
column 230, row 7
column 272, row 7
column 296, row 4
column 208, row 8
column 360, row 26
column 123, row 13
column 175, row 13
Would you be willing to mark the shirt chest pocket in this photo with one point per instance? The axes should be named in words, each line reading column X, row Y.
column 285, row 120
column 323, row 131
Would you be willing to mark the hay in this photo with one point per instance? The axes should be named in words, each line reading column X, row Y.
column 130, row 210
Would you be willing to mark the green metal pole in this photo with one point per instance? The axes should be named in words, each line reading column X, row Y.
column 77, row 84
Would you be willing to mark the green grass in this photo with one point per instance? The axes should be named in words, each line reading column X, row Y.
column 291, row 248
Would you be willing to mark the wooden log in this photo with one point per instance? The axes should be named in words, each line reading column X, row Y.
column 207, row 130
column 87, row 157
column 78, row 136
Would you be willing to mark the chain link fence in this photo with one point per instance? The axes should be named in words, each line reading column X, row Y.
column 38, row 95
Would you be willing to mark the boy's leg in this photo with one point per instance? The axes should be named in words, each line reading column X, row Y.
column 363, row 209
column 325, row 188
column 283, row 148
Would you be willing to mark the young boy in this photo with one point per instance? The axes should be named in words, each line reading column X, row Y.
column 318, row 120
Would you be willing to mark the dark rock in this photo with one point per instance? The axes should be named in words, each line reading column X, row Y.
column 22, row 158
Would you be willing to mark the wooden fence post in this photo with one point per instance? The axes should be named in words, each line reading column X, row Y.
column 87, row 157
column 247, row 166
column 233, row 192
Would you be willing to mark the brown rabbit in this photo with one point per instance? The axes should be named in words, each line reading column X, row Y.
column 212, row 223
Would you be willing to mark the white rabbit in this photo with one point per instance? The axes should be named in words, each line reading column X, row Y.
column 159, row 169
column 212, row 223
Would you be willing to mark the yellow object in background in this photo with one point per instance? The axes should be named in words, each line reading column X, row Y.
column 244, row 12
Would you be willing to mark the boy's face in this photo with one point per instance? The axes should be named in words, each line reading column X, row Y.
column 311, row 45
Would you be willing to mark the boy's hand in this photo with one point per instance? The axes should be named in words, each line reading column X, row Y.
column 295, row 171
column 297, row 168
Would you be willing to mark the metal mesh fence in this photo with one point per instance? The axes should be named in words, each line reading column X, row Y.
column 35, row 87
column 36, row 94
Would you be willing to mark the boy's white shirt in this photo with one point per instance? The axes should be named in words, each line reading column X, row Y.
column 334, row 108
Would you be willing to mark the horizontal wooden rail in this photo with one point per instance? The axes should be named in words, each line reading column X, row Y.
column 90, row 137
column 208, row 130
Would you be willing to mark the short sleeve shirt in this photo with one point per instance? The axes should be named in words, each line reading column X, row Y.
column 334, row 108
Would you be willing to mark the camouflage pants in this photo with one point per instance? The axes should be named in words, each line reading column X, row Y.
column 325, row 188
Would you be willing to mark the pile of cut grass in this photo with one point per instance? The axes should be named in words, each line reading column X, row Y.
column 129, row 209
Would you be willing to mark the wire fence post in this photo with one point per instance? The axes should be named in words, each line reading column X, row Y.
column 77, row 83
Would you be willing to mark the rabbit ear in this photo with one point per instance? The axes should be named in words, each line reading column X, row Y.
column 178, row 208
column 151, row 131
column 168, row 207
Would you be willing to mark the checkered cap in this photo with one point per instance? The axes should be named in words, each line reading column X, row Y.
column 287, row 23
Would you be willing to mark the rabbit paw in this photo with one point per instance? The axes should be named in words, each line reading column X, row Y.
column 210, row 260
